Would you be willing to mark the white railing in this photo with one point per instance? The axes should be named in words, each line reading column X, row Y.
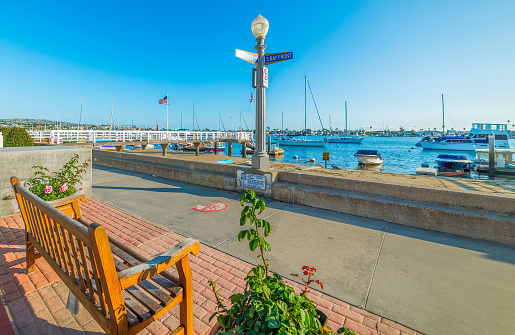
column 94, row 136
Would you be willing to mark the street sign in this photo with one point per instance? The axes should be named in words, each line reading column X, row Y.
column 252, row 57
column 278, row 57
column 247, row 56
column 265, row 77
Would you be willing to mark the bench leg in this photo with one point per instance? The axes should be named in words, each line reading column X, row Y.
column 30, row 255
column 186, row 306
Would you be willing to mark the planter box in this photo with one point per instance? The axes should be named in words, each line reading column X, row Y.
column 20, row 160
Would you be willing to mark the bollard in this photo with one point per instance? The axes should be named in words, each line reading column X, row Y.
column 1, row 140
column 491, row 156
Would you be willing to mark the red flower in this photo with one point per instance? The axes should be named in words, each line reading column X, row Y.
column 305, row 267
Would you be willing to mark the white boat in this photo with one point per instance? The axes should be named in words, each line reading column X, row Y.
column 477, row 138
column 369, row 157
column 346, row 138
column 287, row 141
column 300, row 142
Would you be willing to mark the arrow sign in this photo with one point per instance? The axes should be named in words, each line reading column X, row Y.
column 252, row 57
column 278, row 57
column 247, row 56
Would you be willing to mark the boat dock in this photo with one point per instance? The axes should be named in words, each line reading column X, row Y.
column 120, row 139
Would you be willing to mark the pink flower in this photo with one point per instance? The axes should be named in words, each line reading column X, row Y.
column 81, row 189
column 63, row 188
column 48, row 189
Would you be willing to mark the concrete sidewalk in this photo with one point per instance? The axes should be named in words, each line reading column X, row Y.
column 36, row 301
column 432, row 282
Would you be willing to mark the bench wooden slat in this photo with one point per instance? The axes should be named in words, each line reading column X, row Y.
column 156, row 292
column 141, row 313
column 149, row 304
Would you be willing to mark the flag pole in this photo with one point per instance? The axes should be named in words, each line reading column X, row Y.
column 166, row 111
column 112, row 108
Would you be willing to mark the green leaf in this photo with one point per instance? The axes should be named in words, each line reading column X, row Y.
column 253, row 243
column 242, row 235
column 303, row 315
column 272, row 322
column 266, row 246
column 267, row 229
column 261, row 205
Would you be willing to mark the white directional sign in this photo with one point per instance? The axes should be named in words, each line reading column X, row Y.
column 247, row 56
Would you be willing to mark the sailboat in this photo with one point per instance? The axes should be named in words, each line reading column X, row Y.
column 346, row 138
column 303, row 142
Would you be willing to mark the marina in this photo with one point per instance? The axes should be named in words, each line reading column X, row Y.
column 400, row 154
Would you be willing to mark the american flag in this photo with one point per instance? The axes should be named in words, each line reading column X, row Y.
column 164, row 100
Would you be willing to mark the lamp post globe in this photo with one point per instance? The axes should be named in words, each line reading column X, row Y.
column 259, row 27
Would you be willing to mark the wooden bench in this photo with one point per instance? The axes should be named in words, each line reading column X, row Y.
column 122, row 291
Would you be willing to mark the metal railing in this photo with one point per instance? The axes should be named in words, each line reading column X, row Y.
column 94, row 136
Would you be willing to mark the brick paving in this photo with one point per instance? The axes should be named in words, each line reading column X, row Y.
column 37, row 302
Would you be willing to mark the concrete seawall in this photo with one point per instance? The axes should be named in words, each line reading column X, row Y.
column 472, row 214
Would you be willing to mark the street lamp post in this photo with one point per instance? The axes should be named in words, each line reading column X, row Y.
column 260, row 159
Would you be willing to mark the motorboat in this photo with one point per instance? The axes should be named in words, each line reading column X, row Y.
column 369, row 157
column 453, row 163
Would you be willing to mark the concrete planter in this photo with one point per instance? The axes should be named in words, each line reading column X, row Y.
column 19, row 162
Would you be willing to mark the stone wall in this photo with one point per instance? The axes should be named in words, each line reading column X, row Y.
column 18, row 162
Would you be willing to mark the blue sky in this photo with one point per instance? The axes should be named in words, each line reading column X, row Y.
column 391, row 60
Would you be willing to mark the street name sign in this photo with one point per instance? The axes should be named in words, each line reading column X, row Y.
column 247, row 56
column 278, row 57
column 252, row 57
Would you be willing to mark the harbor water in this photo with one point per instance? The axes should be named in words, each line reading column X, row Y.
column 400, row 154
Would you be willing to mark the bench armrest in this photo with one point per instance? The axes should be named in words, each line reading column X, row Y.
column 160, row 263
column 68, row 200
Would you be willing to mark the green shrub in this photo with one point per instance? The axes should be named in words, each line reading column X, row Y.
column 4, row 131
column 17, row 137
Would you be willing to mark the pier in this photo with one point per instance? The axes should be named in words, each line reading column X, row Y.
column 121, row 138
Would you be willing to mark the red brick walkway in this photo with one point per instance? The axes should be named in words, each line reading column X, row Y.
column 37, row 301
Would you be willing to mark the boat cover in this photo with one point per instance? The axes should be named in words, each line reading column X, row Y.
column 368, row 152
column 454, row 157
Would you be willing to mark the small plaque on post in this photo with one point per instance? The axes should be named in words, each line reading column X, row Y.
column 253, row 181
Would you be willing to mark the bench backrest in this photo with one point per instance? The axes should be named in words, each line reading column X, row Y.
column 80, row 256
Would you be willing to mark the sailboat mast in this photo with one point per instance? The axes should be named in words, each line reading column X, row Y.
column 193, row 118
column 345, row 118
column 305, row 104
column 443, row 118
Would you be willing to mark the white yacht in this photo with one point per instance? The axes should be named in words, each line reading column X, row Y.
column 477, row 138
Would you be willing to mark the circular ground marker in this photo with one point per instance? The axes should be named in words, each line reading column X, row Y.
column 214, row 207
